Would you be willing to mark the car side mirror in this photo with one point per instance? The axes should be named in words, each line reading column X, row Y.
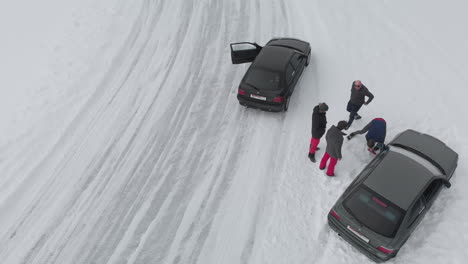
column 447, row 183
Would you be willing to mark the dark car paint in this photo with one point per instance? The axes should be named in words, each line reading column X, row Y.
column 364, row 248
column 409, row 223
column 297, row 47
column 434, row 150
column 408, row 177
column 293, row 43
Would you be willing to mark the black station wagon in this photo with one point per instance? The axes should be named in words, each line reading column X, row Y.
column 270, row 80
column 381, row 208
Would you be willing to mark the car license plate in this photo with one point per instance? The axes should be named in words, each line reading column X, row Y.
column 358, row 234
column 258, row 97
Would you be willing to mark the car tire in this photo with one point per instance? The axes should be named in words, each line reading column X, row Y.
column 286, row 104
column 307, row 60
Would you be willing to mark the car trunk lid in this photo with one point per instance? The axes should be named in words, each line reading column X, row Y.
column 430, row 148
column 360, row 233
column 260, row 95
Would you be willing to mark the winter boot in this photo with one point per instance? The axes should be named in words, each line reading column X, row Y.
column 372, row 151
column 357, row 116
column 312, row 157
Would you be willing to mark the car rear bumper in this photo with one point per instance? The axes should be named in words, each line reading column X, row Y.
column 366, row 249
column 265, row 106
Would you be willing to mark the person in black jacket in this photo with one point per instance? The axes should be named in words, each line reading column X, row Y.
column 334, row 139
column 357, row 99
column 319, row 125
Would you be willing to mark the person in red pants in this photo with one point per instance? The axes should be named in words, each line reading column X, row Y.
column 319, row 125
column 334, row 139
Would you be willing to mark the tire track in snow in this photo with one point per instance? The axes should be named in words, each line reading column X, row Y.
column 138, row 182
column 72, row 154
column 104, row 236
column 46, row 195
column 181, row 191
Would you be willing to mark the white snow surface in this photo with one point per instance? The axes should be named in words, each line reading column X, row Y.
column 122, row 140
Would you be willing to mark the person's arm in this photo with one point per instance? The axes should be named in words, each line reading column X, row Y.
column 362, row 131
column 339, row 148
column 370, row 95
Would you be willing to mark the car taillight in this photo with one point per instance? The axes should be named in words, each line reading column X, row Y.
column 386, row 250
column 240, row 91
column 337, row 217
column 278, row 99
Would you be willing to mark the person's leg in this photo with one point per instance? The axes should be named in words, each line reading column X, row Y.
column 331, row 166
column 313, row 145
column 323, row 162
column 351, row 118
column 357, row 108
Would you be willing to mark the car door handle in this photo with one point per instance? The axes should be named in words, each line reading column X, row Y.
column 422, row 209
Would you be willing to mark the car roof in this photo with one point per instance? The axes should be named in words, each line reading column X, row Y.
column 273, row 58
column 399, row 179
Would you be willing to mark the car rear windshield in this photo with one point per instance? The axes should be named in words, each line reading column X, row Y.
column 263, row 79
column 374, row 211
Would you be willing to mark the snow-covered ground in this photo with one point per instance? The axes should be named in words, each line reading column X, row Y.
column 122, row 140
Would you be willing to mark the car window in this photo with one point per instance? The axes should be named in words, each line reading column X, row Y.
column 290, row 72
column 431, row 190
column 374, row 211
column 416, row 211
column 427, row 164
column 262, row 79
column 243, row 46
column 296, row 60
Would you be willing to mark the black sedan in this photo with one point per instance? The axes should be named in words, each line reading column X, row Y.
column 385, row 203
column 270, row 80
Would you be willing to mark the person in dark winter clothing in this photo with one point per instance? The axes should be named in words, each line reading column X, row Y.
column 376, row 132
column 319, row 124
column 334, row 139
column 357, row 99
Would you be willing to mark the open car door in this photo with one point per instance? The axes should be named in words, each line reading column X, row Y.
column 243, row 52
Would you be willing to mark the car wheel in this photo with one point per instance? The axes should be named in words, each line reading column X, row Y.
column 308, row 60
column 286, row 103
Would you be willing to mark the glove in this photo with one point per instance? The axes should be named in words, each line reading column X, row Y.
column 350, row 136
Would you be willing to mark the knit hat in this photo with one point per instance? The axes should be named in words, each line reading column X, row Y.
column 323, row 107
column 342, row 125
